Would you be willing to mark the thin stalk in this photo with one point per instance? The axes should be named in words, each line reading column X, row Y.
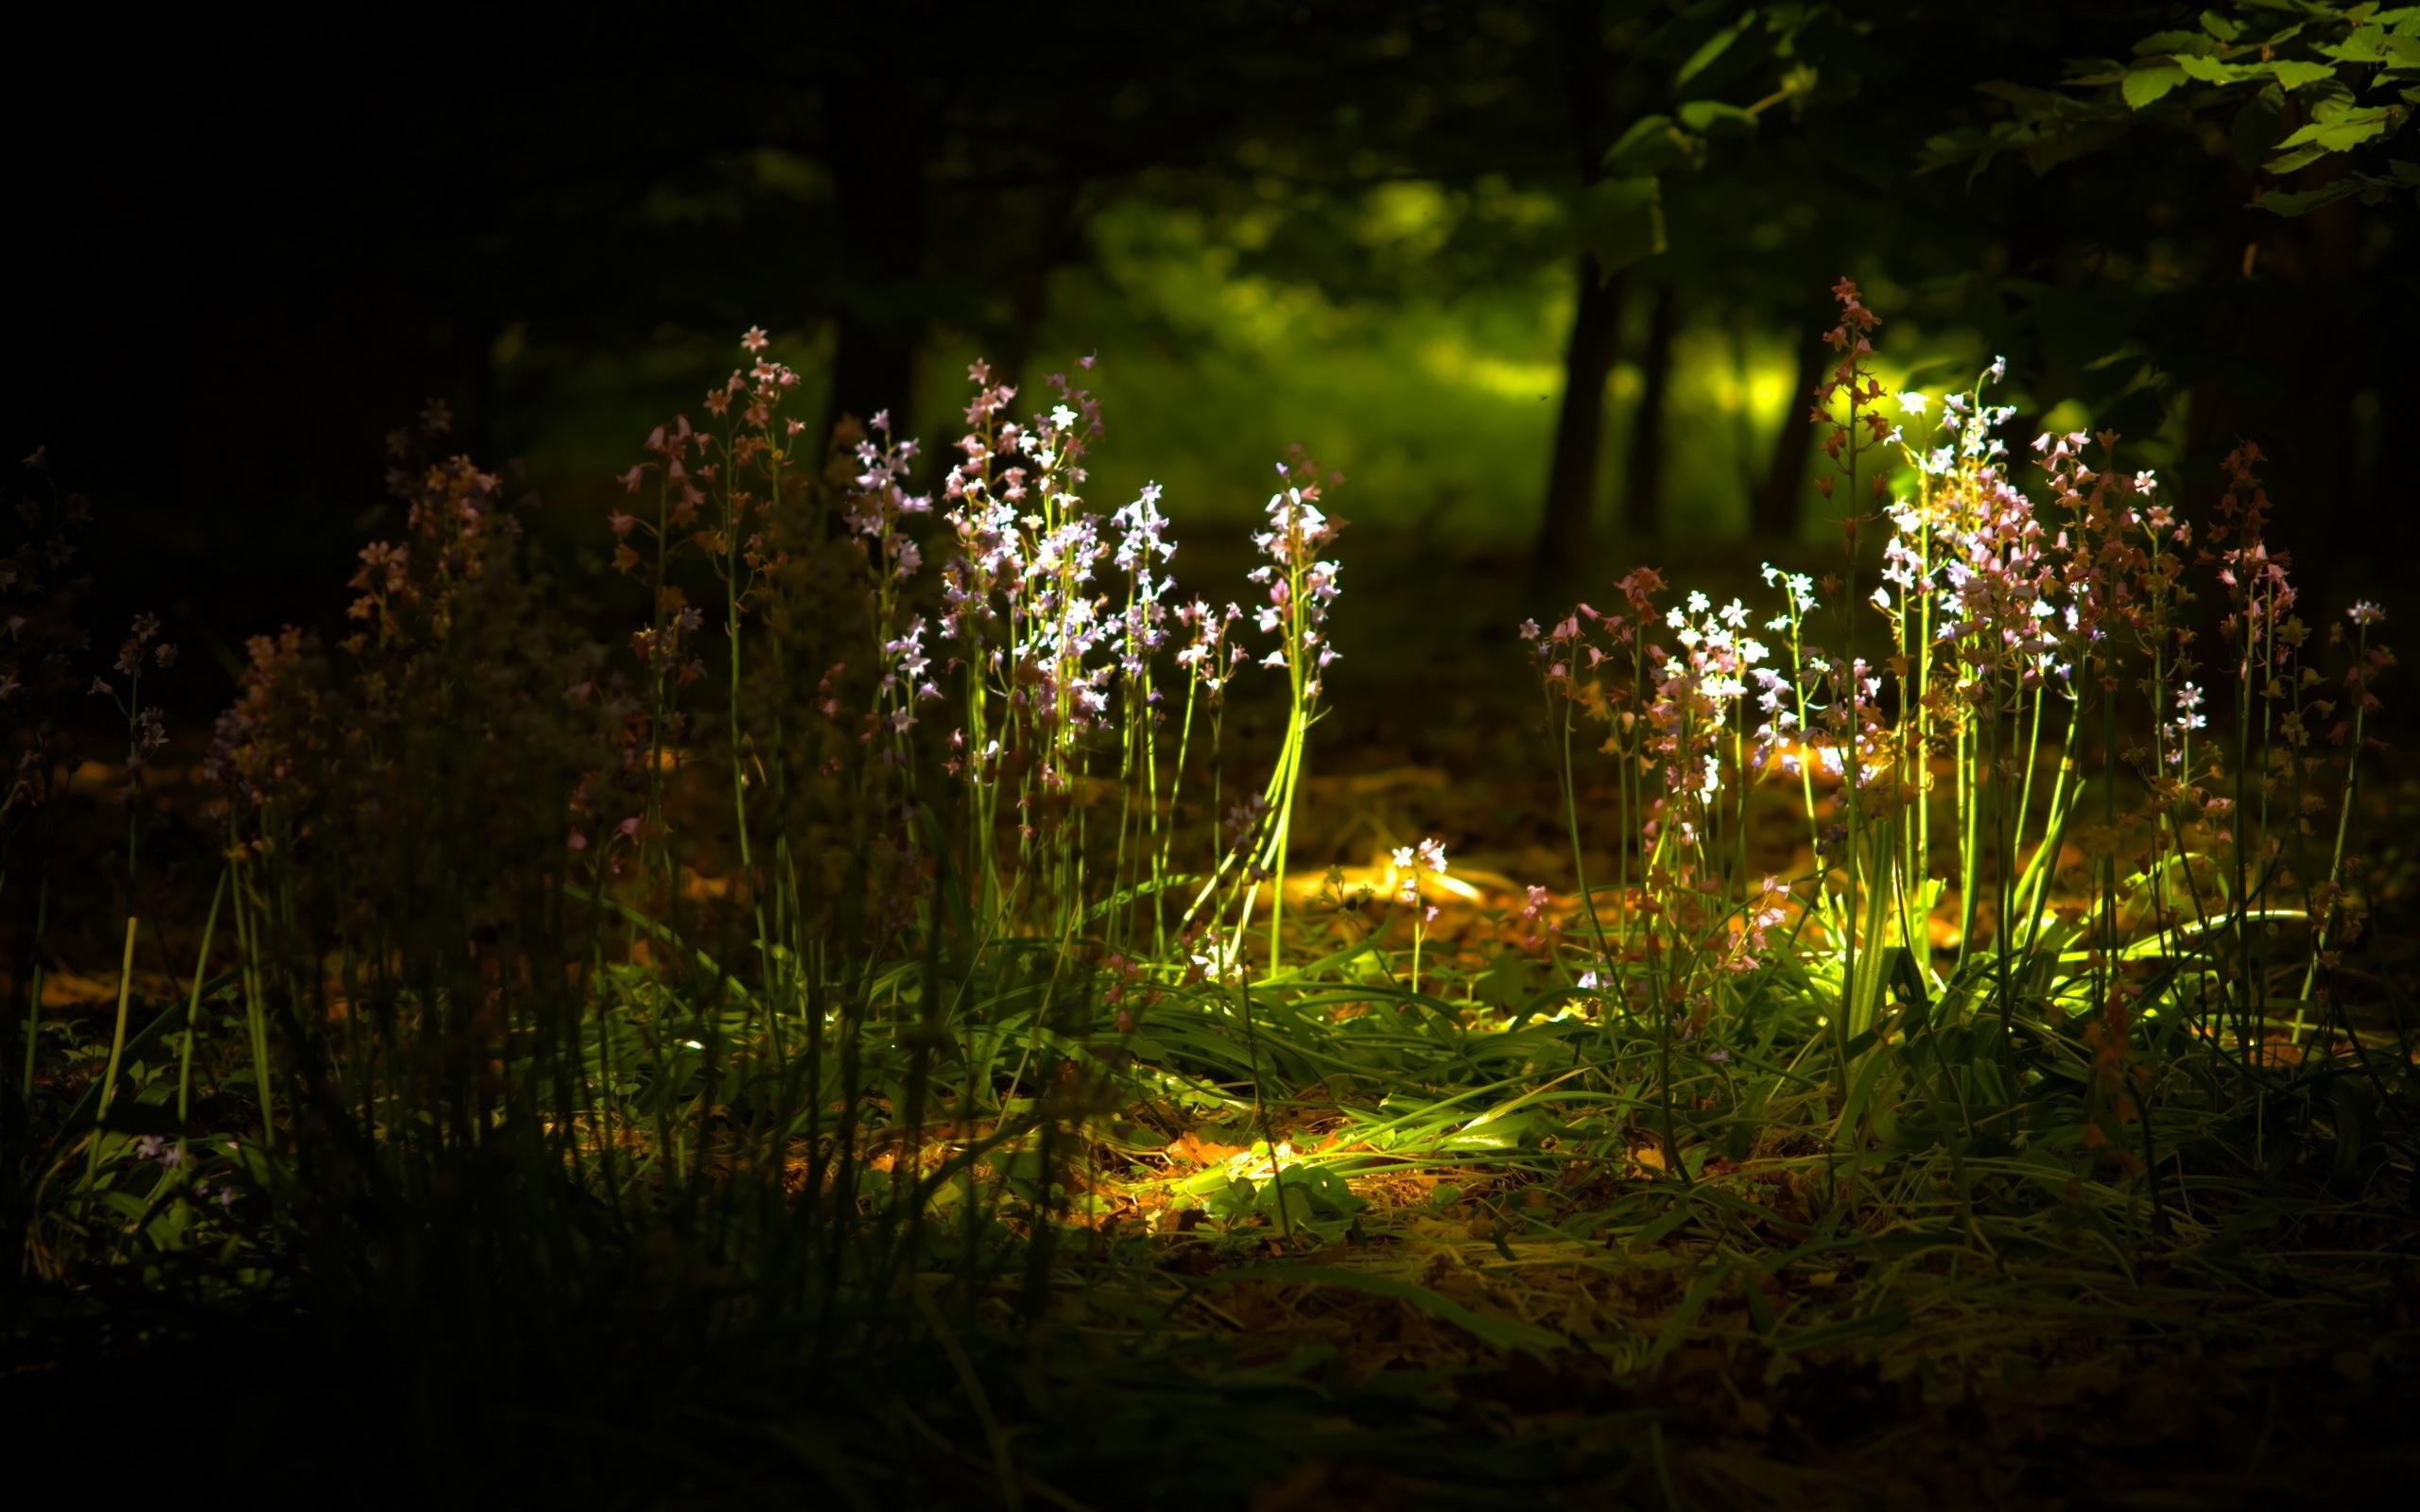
column 193, row 1017
column 118, row 1050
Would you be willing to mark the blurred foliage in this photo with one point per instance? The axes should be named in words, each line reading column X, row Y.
column 2299, row 86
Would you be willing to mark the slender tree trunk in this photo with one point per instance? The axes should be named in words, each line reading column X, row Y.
column 1642, row 469
column 1580, row 425
column 883, row 202
column 1561, row 550
column 1050, row 243
column 1773, row 513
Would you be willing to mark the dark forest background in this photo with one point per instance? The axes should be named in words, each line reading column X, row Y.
column 1544, row 280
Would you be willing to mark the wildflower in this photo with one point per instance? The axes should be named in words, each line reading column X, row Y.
column 2365, row 613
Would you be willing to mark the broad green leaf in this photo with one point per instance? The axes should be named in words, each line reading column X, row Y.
column 2294, row 74
column 1711, row 50
column 2149, row 82
column 2297, row 158
column 2211, row 71
column 1716, row 118
column 2342, row 133
column 2220, row 27
column 2327, row 99
column 2374, row 44
column 2302, row 204
column 1651, row 145
column 1491, row 1132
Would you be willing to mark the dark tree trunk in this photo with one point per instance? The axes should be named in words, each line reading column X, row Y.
column 1579, row 426
column 882, row 202
column 1560, row 553
column 874, row 370
column 1774, row 513
column 1642, row 469
column 1050, row 243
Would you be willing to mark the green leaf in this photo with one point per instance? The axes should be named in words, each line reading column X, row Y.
column 1505, row 984
column 2327, row 99
column 1711, row 50
column 1716, row 118
column 2365, row 45
column 2295, row 74
column 2211, row 71
column 2220, row 27
column 2304, row 203
column 1621, row 220
column 1651, row 145
column 2343, row 133
column 1489, row 1132
column 1230, row 1200
column 2149, row 82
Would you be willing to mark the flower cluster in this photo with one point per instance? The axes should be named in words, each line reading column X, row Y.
column 1143, row 546
column 1698, row 692
column 268, row 745
column 1208, row 656
column 142, row 647
column 1409, row 862
column 1020, row 594
column 1301, row 584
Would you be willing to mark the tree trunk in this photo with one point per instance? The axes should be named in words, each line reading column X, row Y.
column 1642, row 469
column 1773, row 513
column 883, row 202
column 1580, row 426
column 1050, row 243
column 874, row 370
